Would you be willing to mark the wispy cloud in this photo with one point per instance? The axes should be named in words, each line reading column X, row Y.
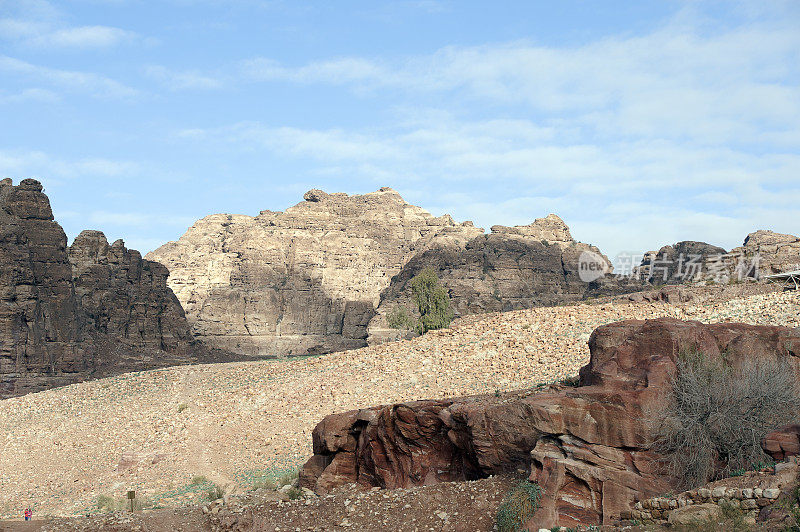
column 676, row 82
column 82, row 37
column 29, row 95
column 39, row 24
column 94, row 84
column 37, row 164
column 179, row 80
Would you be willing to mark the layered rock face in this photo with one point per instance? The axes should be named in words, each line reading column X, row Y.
column 587, row 447
column 312, row 279
column 777, row 252
column 68, row 313
column 306, row 280
column 511, row 268
column 682, row 262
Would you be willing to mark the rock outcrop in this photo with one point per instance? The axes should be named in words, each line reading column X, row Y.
column 587, row 447
column 683, row 262
column 87, row 310
column 312, row 279
column 511, row 268
column 306, row 280
column 776, row 252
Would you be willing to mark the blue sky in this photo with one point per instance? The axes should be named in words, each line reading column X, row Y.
column 640, row 123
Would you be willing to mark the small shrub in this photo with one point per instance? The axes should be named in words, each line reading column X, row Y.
column 182, row 407
column 198, row 480
column 518, row 507
column 215, row 492
column 717, row 415
column 108, row 504
column 432, row 302
column 263, row 483
column 294, row 494
column 399, row 318
column 288, row 478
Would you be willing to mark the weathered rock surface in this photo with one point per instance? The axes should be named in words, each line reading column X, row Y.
column 304, row 280
column 777, row 252
column 587, row 447
column 511, row 268
column 310, row 279
column 682, row 262
column 782, row 442
column 68, row 313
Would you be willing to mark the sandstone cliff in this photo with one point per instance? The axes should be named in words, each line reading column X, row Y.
column 777, row 252
column 70, row 313
column 509, row 269
column 312, row 279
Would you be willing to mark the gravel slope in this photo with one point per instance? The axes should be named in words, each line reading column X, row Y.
column 153, row 431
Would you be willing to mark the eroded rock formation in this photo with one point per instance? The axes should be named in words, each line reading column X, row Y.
column 69, row 313
column 511, row 268
column 587, row 447
column 776, row 252
column 311, row 279
column 304, row 280
column 679, row 263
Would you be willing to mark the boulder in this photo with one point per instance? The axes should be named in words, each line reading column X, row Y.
column 694, row 514
column 587, row 447
column 783, row 442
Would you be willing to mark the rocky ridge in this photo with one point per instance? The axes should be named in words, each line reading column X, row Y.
column 89, row 309
column 311, row 279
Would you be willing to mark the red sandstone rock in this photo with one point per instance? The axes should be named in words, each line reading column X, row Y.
column 783, row 442
column 587, row 447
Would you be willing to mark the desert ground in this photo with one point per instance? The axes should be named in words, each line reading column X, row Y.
column 238, row 423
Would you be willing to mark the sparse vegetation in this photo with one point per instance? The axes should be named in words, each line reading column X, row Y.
column 518, row 507
column 182, row 407
column 718, row 414
column 106, row 504
column 432, row 302
column 288, row 478
column 198, row 480
column 400, row 318
column 215, row 492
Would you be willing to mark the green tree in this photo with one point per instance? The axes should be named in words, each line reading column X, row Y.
column 432, row 301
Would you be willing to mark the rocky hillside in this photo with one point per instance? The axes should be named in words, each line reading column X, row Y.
column 311, row 279
column 238, row 422
column 69, row 313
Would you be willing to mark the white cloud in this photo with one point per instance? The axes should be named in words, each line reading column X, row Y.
column 82, row 37
column 677, row 82
column 178, row 80
column 21, row 164
column 95, row 84
column 29, row 95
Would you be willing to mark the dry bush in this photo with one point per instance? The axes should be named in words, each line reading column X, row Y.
column 717, row 415
column 518, row 506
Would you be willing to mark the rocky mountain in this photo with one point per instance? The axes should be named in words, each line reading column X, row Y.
column 510, row 268
column 68, row 313
column 313, row 279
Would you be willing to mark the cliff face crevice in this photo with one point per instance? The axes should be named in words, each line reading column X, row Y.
column 67, row 313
